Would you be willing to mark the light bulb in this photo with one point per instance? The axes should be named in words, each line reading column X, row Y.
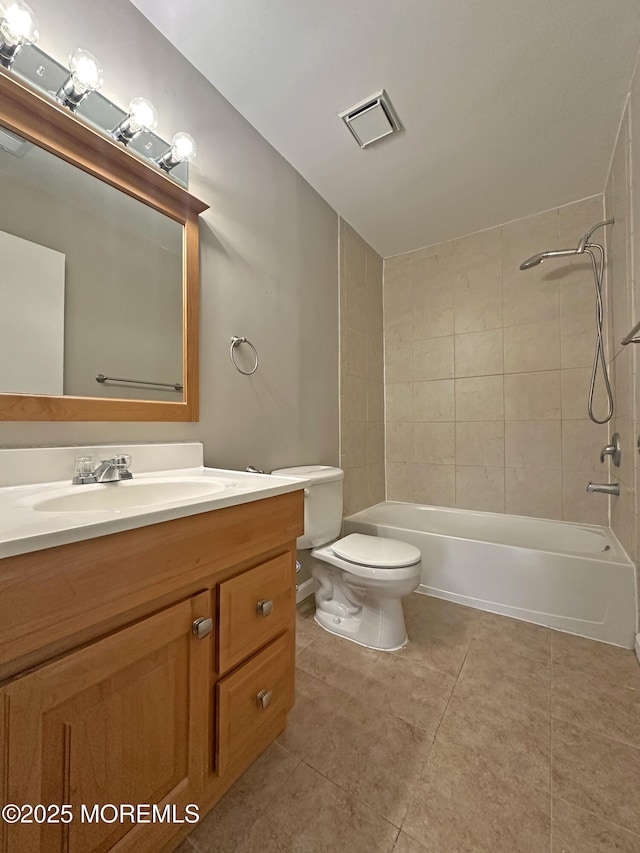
column 17, row 28
column 142, row 115
column 85, row 70
column 85, row 77
column 183, row 147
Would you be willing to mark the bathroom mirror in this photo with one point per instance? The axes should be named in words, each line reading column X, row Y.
column 99, row 252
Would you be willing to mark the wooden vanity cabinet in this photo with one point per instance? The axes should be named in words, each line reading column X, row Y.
column 167, row 709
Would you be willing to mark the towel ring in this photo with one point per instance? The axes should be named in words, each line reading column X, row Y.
column 235, row 342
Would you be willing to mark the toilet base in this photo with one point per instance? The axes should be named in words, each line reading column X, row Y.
column 371, row 636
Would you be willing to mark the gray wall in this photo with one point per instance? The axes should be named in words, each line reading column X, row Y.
column 269, row 260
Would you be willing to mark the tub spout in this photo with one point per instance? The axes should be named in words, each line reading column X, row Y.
column 607, row 488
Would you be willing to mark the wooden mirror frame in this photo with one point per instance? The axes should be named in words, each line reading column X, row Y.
column 55, row 129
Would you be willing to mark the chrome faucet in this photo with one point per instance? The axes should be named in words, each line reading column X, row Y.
column 108, row 471
column 607, row 488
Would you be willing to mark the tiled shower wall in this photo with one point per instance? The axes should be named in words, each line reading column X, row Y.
column 487, row 372
column 361, row 372
column 622, row 201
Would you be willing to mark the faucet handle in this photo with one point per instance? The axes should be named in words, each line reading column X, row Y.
column 613, row 450
column 122, row 461
column 84, row 470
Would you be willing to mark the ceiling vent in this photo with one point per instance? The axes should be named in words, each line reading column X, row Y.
column 13, row 143
column 372, row 119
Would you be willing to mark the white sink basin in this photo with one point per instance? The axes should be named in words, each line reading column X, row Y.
column 128, row 494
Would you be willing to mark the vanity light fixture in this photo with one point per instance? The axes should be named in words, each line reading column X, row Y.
column 183, row 148
column 142, row 116
column 85, row 77
column 17, row 28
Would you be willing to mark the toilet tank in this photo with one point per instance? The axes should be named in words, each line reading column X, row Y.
column 322, row 503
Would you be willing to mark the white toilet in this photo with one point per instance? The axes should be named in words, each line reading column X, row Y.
column 360, row 579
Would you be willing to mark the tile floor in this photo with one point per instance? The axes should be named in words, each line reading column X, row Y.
column 484, row 734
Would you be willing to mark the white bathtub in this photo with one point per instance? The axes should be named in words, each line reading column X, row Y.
column 573, row 577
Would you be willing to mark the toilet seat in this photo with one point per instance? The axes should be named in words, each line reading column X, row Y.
column 382, row 572
column 376, row 551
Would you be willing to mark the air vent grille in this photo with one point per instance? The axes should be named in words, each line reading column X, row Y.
column 372, row 119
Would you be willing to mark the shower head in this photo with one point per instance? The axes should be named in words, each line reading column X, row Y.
column 534, row 260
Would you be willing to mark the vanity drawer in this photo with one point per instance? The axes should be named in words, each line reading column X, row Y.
column 255, row 699
column 254, row 608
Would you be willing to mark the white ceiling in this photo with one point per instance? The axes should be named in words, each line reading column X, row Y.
column 510, row 107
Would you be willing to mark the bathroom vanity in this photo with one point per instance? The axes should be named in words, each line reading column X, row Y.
column 150, row 665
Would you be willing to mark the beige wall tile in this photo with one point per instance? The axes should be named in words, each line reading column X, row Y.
column 434, row 484
column 577, row 339
column 373, row 269
column 399, row 437
column 398, row 364
column 532, row 346
column 375, row 358
column 480, row 488
column 478, row 308
column 480, row 443
column 433, row 401
column 582, row 442
column 375, row 479
column 619, row 239
column 354, row 399
column 354, row 444
column 532, row 396
column 375, row 444
column 375, row 402
column 576, row 219
column 575, row 394
column 479, row 398
column 435, row 443
column 353, row 352
column 356, row 490
column 623, row 519
column 432, row 314
column 399, row 401
column 530, row 295
column 621, row 377
column 433, row 359
column 362, row 372
column 475, row 268
column 397, row 310
column 400, row 481
column 533, row 444
column 479, row 353
column 533, row 492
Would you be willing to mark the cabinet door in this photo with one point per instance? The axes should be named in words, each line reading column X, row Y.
column 123, row 720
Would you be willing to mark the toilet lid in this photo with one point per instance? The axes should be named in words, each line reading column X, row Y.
column 376, row 551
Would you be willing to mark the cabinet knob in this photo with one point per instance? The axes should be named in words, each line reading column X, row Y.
column 264, row 698
column 202, row 628
column 264, row 607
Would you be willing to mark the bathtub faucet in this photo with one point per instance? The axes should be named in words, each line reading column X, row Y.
column 607, row 488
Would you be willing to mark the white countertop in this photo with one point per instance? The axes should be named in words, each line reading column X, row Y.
column 24, row 528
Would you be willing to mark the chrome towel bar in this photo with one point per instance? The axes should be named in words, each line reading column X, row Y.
column 177, row 386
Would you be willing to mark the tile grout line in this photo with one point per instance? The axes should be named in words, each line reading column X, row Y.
column 599, row 817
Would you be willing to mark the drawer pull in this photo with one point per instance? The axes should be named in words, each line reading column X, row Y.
column 264, row 607
column 202, row 628
column 264, row 698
